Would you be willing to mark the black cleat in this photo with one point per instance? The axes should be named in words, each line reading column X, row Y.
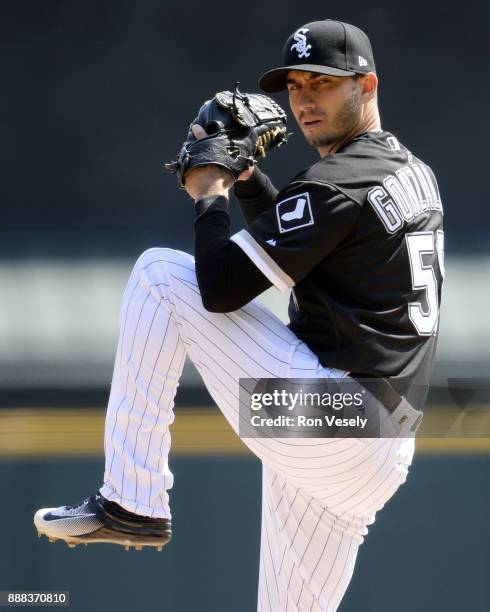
column 97, row 520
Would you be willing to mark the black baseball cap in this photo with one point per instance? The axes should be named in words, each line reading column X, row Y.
column 327, row 47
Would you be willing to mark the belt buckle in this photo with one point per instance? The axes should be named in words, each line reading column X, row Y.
column 405, row 416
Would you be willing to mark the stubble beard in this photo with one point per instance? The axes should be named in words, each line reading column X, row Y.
column 342, row 124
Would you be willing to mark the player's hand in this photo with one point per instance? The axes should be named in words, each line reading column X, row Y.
column 210, row 180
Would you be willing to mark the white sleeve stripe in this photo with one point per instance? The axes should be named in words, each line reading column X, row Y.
column 262, row 260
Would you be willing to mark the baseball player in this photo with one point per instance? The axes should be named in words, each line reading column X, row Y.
column 357, row 240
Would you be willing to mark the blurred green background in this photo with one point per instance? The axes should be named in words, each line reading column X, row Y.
column 427, row 551
column 95, row 95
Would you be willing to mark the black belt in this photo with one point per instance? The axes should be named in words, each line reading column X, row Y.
column 380, row 388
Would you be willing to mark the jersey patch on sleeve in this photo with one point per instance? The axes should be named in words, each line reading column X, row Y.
column 294, row 212
column 394, row 144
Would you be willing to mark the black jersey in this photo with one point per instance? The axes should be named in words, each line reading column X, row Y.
column 358, row 237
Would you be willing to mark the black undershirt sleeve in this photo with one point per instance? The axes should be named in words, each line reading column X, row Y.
column 255, row 195
column 226, row 276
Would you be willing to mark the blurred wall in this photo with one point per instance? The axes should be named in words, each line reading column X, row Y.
column 426, row 551
column 95, row 94
column 59, row 321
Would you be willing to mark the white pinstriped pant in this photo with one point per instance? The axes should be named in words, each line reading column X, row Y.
column 318, row 495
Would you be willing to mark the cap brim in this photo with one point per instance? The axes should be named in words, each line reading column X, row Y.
column 276, row 79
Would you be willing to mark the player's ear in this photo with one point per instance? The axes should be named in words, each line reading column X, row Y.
column 369, row 83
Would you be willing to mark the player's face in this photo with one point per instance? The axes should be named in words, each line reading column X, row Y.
column 327, row 108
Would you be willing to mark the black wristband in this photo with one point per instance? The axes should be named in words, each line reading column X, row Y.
column 211, row 204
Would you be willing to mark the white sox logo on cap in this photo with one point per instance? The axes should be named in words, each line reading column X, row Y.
column 301, row 45
column 324, row 47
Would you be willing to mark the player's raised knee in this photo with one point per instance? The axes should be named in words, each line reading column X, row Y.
column 163, row 256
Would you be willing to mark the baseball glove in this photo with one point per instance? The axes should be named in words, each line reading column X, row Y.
column 241, row 128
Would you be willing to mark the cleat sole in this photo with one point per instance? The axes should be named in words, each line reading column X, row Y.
column 109, row 536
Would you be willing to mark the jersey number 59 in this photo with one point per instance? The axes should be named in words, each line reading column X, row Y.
column 425, row 317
